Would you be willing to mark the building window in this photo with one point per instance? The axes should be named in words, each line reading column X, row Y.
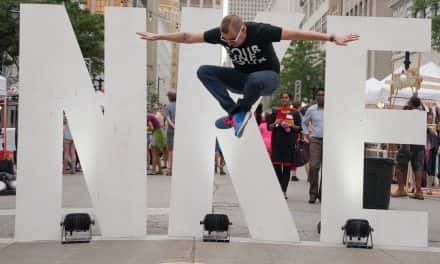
column 100, row 4
column 351, row 12
column 207, row 3
column 361, row 10
column 366, row 8
column 322, row 24
column 183, row 3
column 355, row 10
column 317, row 27
column 195, row 3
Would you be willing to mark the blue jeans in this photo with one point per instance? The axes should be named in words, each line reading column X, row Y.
column 218, row 80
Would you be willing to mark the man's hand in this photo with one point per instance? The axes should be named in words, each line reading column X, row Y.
column 307, row 138
column 274, row 124
column 148, row 36
column 343, row 40
column 277, row 122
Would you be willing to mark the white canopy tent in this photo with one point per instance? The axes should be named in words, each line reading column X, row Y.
column 430, row 88
column 3, row 86
column 373, row 91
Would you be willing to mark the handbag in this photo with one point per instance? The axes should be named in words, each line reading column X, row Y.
column 301, row 153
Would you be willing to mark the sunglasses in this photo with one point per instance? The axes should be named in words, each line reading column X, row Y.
column 232, row 40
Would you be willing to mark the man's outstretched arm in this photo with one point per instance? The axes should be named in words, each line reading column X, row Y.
column 179, row 37
column 296, row 34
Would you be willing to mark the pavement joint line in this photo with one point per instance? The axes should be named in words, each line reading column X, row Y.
column 7, row 245
column 193, row 250
column 246, row 240
column 266, row 242
column 386, row 253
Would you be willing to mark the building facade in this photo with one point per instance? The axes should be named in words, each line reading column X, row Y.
column 316, row 12
column 202, row 3
column 97, row 6
column 402, row 8
column 379, row 62
column 248, row 9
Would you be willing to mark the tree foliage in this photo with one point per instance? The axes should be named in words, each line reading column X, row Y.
column 89, row 30
column 420, row 9
column 303, row 61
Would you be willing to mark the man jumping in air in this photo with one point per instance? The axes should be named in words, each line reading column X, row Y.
column 256, row 69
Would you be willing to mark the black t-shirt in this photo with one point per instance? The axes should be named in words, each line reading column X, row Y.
column 256, row 53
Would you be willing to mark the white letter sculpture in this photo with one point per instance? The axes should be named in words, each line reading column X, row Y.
column 53, row 78
column 348, row 125
column 252, row 173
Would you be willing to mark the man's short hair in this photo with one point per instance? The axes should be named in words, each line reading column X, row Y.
column 172, row 96
column 231, row 20
column 297, row 104
column 285, row 92
column 415, row 101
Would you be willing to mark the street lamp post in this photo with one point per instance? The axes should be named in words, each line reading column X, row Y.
column 297, row 96
column 14, row 14
column 158, row 87
column 307, row 85
column 3, row 55
column 97, row 83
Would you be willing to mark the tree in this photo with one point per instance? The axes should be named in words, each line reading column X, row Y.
column 420, row 6
column 434, row 5
column 436, row 33
column 9, row 31
column 89, row 30
column 303, row 61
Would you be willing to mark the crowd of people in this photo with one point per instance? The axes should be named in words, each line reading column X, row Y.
column 160, row 136
column 293, row 136
column 424, row 159
column 160, row 140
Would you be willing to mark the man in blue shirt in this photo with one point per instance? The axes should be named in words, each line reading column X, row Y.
column 314, row 117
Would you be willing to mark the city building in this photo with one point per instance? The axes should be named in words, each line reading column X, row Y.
column 248, row 9
column 316, row 12
column 202, row 3
column 379, row 62
column 402, row 8
column 97, row 6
